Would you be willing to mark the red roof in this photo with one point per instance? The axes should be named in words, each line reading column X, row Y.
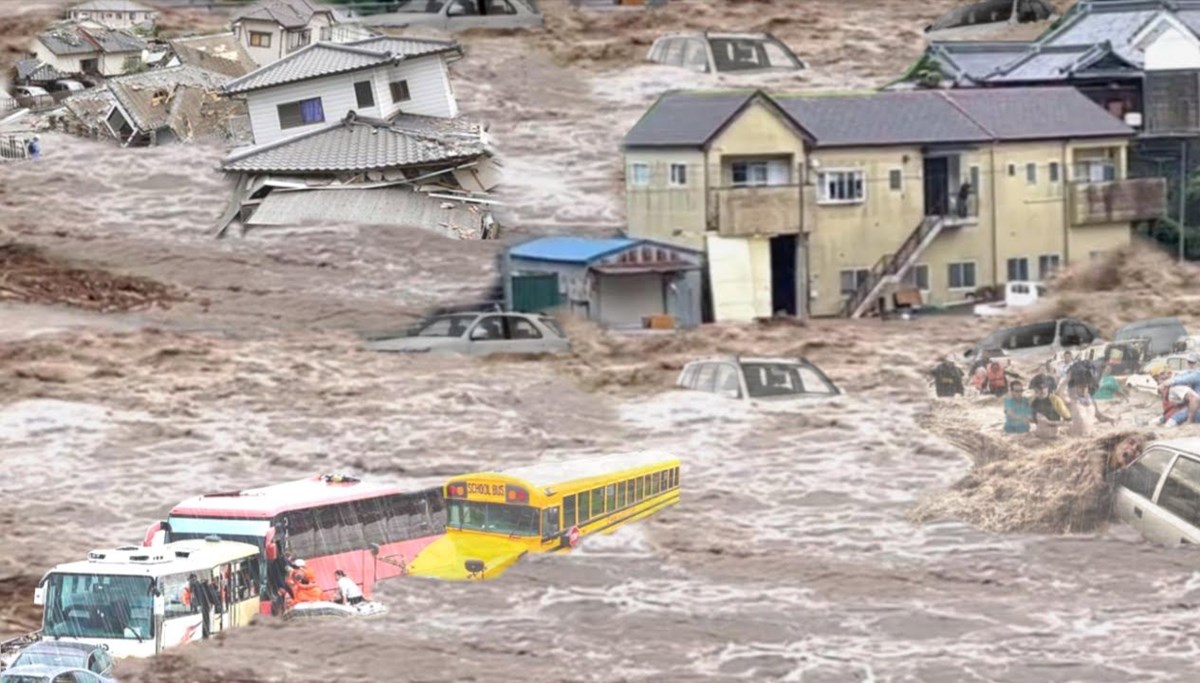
column 268, row 501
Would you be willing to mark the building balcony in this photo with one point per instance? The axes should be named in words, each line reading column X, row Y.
column 759, row 210
column 1117, row 201
column 955, row 211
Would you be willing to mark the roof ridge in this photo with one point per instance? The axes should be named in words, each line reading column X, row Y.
column 989, row 132
column 259, row 149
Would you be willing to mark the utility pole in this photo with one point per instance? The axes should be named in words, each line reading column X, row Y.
column 1183, row 161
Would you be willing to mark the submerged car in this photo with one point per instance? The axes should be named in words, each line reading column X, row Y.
column 1159, row 493
column 987, row 12
column 724, row 52
column 458, row 15
column 65, row 655
column 1038, row 341
column 479, row 334
column 30, row 91
column 47, row 673
column 757, row 378
column 1162, row 334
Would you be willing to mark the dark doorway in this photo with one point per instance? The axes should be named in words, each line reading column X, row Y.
column 783, row 274
column 937, row 186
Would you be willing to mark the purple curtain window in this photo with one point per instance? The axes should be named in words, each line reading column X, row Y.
column 311, row 111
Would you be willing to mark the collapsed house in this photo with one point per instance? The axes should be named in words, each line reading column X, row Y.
column 175, row 104
column 364, row 133
column 412, row 171
column 220, row 53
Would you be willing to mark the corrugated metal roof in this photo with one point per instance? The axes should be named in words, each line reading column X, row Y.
column 286, row 13
column 112, row 6
column 887, row 118
column 325, row 59
column 391, row 206
column 685, row 119
column 360, row 144
column 567, row 249
column 1038, row 113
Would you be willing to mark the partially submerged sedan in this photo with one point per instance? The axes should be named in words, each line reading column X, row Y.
column 724, row 53
column 757, row 378
column 479, row 334
column 1159, row 493
column 459, row 15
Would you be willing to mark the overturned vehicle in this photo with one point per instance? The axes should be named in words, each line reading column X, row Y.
column 987, row 12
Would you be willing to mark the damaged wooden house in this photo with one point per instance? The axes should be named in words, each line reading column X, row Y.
column 362, row 133
column 175, row 104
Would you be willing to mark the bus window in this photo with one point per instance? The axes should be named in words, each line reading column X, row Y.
column 245, row 580
column 549, row 522
column 568, row 511
column 301, row 533
column 370, row 516
column 337, row 529
column 641, row 492
column 610, row 498
column 620, row 494
column 584, row 511
column 598, row 501
column 176, row 595
column 654, row 483
column 675, row 472
column 662, row 481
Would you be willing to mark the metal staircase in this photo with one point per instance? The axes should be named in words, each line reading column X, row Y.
column 891, row 268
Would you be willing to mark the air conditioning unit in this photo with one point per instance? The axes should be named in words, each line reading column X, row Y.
column 1133, row 119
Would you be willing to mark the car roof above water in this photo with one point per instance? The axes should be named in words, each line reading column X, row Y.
column 1189, row 444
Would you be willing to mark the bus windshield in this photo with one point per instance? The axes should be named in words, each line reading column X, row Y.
column 99, row 606
column 496, row 518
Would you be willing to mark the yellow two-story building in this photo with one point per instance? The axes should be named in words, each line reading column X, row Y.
column 823, row 205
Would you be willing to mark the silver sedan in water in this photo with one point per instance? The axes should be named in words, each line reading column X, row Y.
column 459, row 15
column 479, row 334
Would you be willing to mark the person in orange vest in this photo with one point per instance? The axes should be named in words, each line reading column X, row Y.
column 997, row 381
column 305, row 584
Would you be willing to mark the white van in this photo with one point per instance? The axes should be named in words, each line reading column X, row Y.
column 1038, row 342
column 1159, row 493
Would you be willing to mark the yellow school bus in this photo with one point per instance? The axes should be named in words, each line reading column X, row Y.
column 493, row 518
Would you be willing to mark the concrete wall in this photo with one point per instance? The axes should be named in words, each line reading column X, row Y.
column 426, row 82
column 261, row 55
column 662, row 212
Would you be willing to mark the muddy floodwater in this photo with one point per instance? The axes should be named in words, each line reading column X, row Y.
column 792, row 555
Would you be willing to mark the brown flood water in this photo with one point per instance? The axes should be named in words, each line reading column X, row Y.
column 792, row 555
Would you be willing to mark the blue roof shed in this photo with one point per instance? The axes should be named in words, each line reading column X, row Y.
column 570, row 249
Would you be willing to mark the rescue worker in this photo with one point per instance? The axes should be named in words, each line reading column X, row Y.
column 304, row 584
column 348, row 592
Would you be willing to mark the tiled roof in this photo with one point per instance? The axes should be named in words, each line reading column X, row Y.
column 36, row 70
column 221, row 53
column 1056, row 63
column 901, row 117
column 286, row 13
column 686, row 119
column 73, row 39
column 141, row 95
column 975, row 60
column 326, row 59
column 361, row 144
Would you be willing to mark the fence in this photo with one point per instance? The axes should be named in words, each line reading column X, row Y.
column 13, row 148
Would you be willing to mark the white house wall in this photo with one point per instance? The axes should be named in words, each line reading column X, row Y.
column 261, row 55
column 1173, row 50
column 68, row 64
column 428, row 87
column 114, row 64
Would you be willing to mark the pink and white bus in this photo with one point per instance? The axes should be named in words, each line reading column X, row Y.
column 370, row 531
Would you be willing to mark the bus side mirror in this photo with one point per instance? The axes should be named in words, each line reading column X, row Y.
column 155, row 535
column 39, row 596
column 374, row 548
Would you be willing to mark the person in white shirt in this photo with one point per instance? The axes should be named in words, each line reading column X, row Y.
column 348, row 592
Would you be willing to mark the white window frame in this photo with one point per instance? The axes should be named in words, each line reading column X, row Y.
column 1057, row 268
column 974, row 270
column 1007, row 278
column 823, row 197
column 928, row 277
column 899, row 173
column 633, row 174
column 671, row 178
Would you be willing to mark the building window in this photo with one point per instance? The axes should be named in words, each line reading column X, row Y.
column 1012, row 170
column 365, row 94
column 1018, row 269
column 749, row 173
column 326, row 33
column 1095, row 171
column 841, row 187
column 678, row 175
column 1047, row 265
column 260, row 39
column 302, row 113
column 399, row 91
column 1054, row 172
column 852, row 279
column 639, row 175
column 1031, row 174
column 917, row 277
column 895, row 180
column 962, row 275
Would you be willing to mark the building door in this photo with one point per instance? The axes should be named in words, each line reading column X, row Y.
column 89, row 66
column 739, row 277
column 937, row 186
column 783, row 274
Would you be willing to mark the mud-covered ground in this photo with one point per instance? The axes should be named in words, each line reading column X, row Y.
column 793, row 554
